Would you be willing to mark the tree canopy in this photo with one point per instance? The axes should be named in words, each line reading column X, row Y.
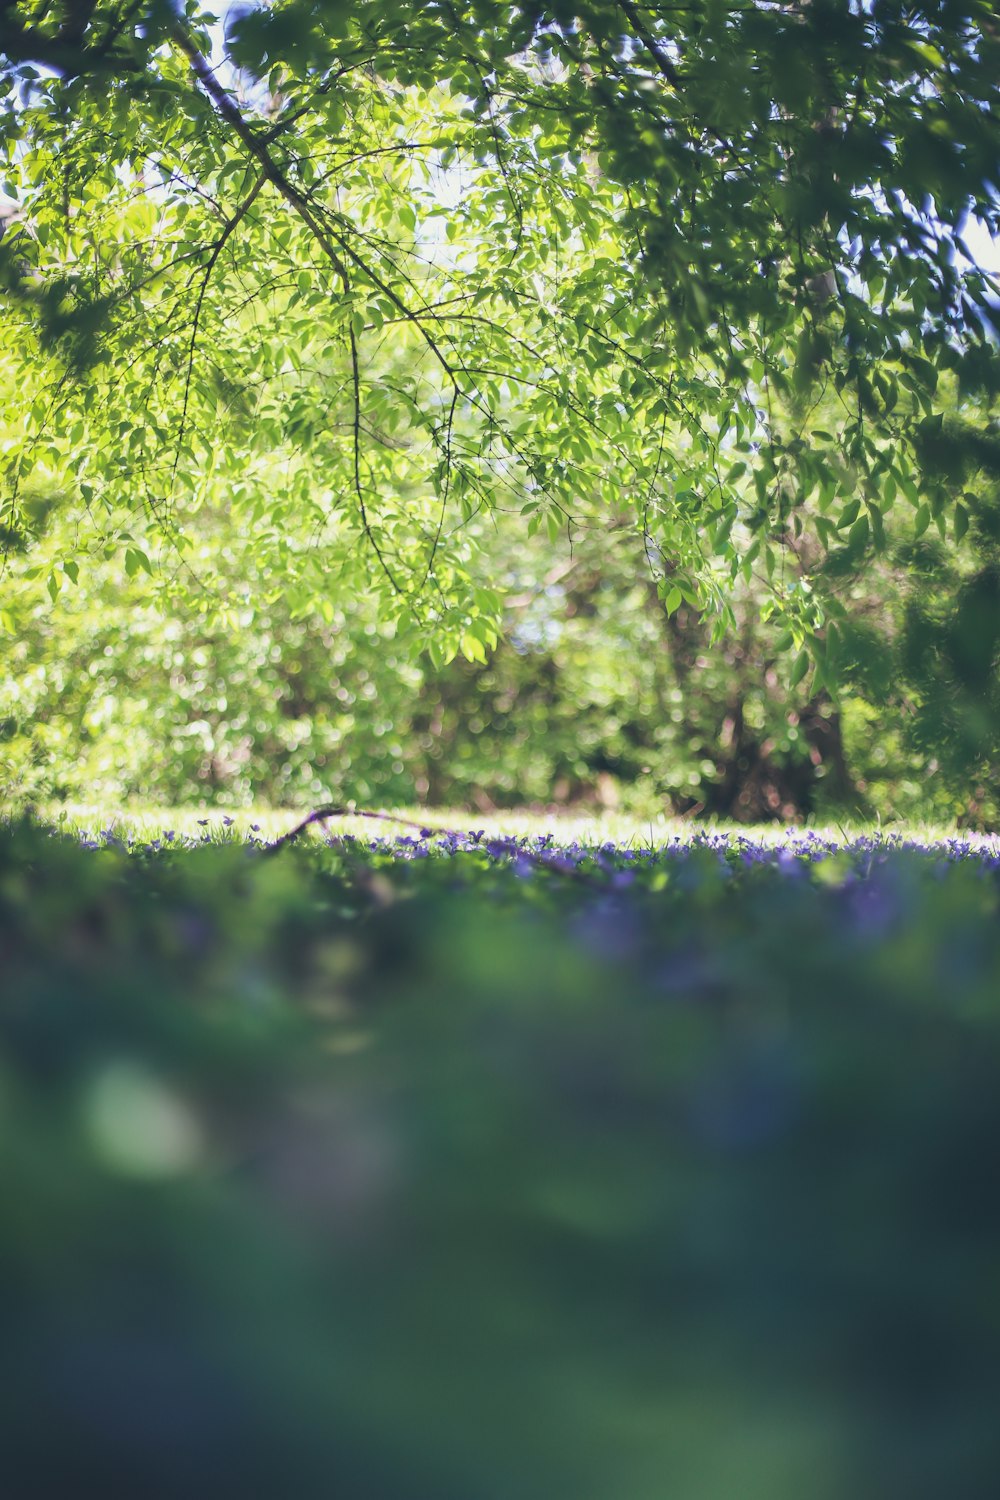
column 349, row 279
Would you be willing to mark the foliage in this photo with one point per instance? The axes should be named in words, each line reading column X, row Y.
column 445, row 1176
column 917, row 648
column 595, row 696
column 383, row 268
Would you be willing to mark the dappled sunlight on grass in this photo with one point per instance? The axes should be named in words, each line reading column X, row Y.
column 143, row 823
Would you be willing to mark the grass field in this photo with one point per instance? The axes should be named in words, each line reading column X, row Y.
column 465, row 1169
column 145, row 822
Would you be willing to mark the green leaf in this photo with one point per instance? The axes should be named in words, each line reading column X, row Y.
column 800, row 667
column 961, row 522
column 472, row 648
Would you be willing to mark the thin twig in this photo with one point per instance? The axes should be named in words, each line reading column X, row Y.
column 322, row 814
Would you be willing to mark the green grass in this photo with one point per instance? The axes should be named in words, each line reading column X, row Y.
column 422, row 1180
column 142, row 821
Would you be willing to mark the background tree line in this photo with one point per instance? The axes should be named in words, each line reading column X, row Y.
column 595, row 695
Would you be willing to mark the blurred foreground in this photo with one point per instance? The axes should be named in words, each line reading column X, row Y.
column 456, row 1177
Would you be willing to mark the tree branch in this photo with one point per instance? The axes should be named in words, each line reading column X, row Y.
column 66, row 51
column 338, row 258
column 649, row 41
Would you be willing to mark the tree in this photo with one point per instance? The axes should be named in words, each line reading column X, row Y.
column 357, row 275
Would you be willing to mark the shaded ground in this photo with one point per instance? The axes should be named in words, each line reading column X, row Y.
column 511, row 1170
